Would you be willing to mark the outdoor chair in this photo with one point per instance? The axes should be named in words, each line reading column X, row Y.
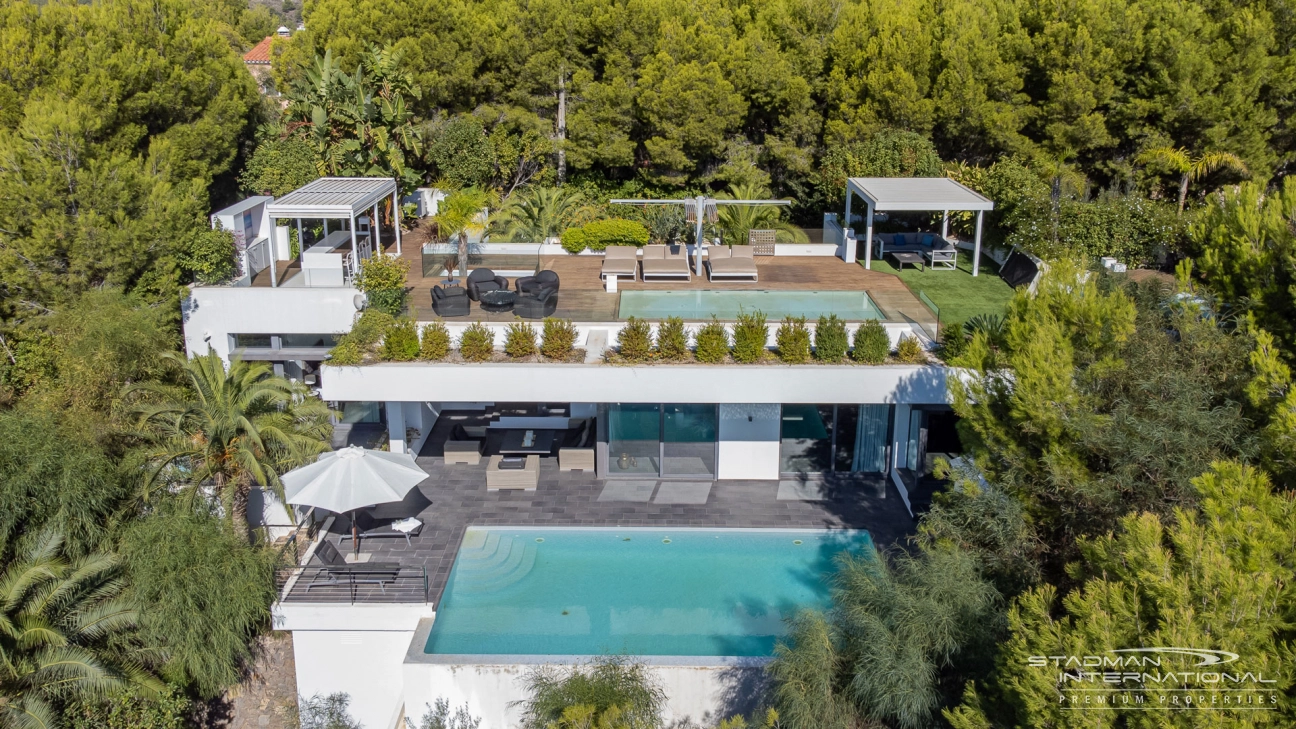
column 371, row 528
column 735, row 262
column 336, row 571
column 451, row 301
column 543, row 279
column 621, row 261
column 660, row 262
column 536, row 303
column 482, row 280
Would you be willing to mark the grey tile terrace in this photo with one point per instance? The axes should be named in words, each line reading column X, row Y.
column 571, row 498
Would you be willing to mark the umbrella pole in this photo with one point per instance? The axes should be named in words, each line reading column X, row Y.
column 355, row 536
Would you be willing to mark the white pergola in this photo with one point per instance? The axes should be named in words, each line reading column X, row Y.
column 337, row 198
column 881, row 194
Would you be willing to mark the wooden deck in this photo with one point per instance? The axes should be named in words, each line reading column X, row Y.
column 582, row 298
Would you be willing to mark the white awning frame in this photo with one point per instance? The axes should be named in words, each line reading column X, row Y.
column 908, row 194
column 337, row 198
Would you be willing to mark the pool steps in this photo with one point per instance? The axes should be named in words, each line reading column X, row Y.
column 497, row 563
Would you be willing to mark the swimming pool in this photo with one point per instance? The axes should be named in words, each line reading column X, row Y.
column 650, row 592
column 849, row 305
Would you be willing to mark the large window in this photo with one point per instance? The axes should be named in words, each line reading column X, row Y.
column 841, row 438
column 675, row 439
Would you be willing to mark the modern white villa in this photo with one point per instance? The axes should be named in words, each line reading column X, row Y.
column 689, row 485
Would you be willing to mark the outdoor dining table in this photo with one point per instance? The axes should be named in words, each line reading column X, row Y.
column 541, row 442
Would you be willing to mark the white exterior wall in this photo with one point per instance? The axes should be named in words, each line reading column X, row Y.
column 212, row 313
column 353, row 649
column 726, row 384
column 748, row 442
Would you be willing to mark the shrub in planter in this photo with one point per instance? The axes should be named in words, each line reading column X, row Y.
column 830, row 339
column 793, row 340
column 382, row 279
column 908, row 350
column 672, row 340
column 872, row 345
column 477, row 343
column 519, row 340
column 573, row 240
column 749, row 337
column 401, row 343
column 712, row 343
column 600, row 234
column 559, row 338
column 953, row 341
column 346, row 354
column 634, row 341
column 436, row 342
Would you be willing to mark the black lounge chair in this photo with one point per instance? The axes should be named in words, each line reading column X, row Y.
column 543, row 279
column 335, row 570
column 536, row 303
column 482, row 280
column 451, row 301
column 375, row 522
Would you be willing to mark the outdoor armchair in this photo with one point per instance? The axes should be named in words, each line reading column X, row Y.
column 543, row 279
column 451, row 301
column 537, row 303
column 482, row 280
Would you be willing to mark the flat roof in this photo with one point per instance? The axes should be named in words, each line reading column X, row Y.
column 333, row 197
column 246, row 203
column 918, row 193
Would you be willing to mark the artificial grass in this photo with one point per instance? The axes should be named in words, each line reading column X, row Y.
column 957, row 294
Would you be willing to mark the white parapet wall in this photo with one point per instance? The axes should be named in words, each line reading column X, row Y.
column 212, row 313
column 353, row 649
column 549, row 382
column 699, row 690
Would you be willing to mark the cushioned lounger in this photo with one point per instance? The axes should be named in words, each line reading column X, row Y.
column 735, row 262
column 621, row 261
column 659, row 262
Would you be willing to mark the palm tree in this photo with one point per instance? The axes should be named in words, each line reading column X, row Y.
column 736, row 221
column 60, row 629
column 540, row 213
column 223, row 430
column 1191, row 169
column 463, row 213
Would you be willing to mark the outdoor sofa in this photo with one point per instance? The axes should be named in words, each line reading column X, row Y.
column 731, row 262
column 620, row 261
column 922, row 243
column 659, row 261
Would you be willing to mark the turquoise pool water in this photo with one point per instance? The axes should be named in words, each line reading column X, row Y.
column 652, row 592
column 849, row 305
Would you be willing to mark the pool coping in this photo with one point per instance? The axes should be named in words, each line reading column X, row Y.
column 417, row 654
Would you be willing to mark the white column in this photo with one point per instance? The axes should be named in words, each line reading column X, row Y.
column 945, row 225
column 355, row 253
column 274, row 248
column 846, row 223
column 325, row 227
column 396, row 218
column 375, row 240
column 301, row 242
column 976, row 255
column 396, row 426
column 868, row 236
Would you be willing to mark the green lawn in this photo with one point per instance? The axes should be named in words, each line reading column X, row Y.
column 959, row 296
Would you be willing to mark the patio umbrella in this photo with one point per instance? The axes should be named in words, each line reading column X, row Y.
column 352, row 478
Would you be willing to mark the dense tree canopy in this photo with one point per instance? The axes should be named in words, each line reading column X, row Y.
column 684, row 93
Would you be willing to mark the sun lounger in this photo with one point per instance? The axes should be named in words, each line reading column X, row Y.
column 735, row 262
column 336, row 571
column 621, row 261
column 660, row 262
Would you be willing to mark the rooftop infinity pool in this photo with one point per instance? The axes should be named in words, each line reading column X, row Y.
column 651, row 592
column 849, row 305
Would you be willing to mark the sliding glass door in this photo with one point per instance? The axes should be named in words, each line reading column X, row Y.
column 634, row 439
column 834, row 438
column 675, row 439
column 689, row 440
